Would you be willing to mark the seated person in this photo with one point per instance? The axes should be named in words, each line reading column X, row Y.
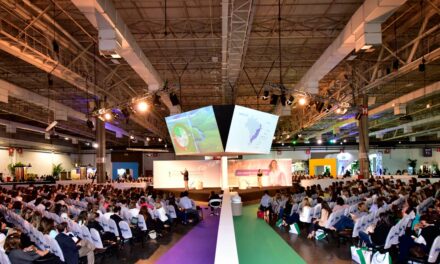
column 18, row 254
column 320, row 223
column 347, row 222
column 340, row 204
column 186, row 208
column 265, row 203
column 67, row 245
column 380, row 232
column 420, row 242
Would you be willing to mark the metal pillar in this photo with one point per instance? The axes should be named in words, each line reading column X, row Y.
column 100, row 151
column 364, row 140
column 225, row 183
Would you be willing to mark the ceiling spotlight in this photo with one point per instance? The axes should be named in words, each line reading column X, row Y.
column 341, row 143
column 108, row 116
column 131, row 137
column 428, row 105
column 148, row 138
column 302, row 101
column 90, row 124
column 156, row 100
column 338, row 111
column 283, row 99
column 422, row 66
column 290, row 101
column 319, row 141
column 332, row 141
column 159, row 139
column 345, row 141
column 66, row 138
column 300, row 135
column 95, row 145
column 265, row 95
column 166, row 145
column 142, row 106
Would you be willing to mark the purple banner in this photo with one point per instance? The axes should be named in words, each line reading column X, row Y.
column 252, row 172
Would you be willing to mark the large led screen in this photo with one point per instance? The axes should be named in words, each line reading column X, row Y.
column 251, row 131
column 275, row 172
column 195, row 132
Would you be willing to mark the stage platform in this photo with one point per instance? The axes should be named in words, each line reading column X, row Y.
column 247, row 195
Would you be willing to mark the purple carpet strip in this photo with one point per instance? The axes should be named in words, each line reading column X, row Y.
column 197, row 246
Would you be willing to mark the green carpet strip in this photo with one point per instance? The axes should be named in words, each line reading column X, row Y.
column 258, row 243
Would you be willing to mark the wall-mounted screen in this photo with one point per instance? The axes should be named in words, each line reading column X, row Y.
column 195, row 132
column 251, row 131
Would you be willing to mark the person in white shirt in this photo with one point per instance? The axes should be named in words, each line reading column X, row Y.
column 186, row 208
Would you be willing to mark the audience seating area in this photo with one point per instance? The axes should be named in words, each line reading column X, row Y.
column 98, row 218
column 411, row 207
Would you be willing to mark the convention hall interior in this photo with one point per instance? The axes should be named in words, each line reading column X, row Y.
column 219, row 131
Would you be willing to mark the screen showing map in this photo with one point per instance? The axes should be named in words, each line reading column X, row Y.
column 195, row 132
column 251, row 131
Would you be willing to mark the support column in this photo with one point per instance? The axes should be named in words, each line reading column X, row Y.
column 100, row 151
column 225, row 182
column 364, row 142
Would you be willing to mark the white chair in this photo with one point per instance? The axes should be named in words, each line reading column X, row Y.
column 390, row 237
column 215, row 204
column 113, row 227
column 334, row 218
column 86, row 233
column 141, row 223
column 125, row 230
column 55, row 249
column 172, row 211
column 433, row 252
column 358, row 226
column 104, row 223
column 4, row 259
column 96, row 238
column 317, row 211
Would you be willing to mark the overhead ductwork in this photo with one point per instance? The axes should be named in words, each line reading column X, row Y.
column 116, row 40
column 362, row 30
column 402, row 100
column 60, row 110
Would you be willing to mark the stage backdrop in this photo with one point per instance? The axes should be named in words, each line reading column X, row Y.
column 167, row 173
column 275, row 172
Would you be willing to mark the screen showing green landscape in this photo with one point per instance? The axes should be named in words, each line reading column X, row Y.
column 195, row 132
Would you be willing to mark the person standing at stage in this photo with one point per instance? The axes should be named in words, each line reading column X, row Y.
column 260, row 176
column 185, row 178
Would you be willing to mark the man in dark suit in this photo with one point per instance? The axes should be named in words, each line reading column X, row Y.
column 67, row 245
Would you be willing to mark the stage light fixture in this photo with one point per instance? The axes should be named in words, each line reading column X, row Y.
column 159, row 139
column 291, row 99
column 87, row 144
column 265, row 95
column 345, row 141
column 333, row 141
column 142, row 106
column 108, row 116
column 131, row 137
column 283, row 99
column 422, row 66
column 302, row 101
column 338, row 111
column 274, row 99
column 148, row 139
column 95, row 145
column 90, row 124
column 319, row 141
column 156, row 100
column 66, row 138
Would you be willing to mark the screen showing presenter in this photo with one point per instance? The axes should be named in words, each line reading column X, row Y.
column 276, row 176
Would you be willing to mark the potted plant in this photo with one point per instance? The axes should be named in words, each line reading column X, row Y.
column 56, row 170
column 412, row 164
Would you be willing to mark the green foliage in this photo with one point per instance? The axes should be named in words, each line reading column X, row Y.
column 56, row 169
column 355, row 166
column 12, row 166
